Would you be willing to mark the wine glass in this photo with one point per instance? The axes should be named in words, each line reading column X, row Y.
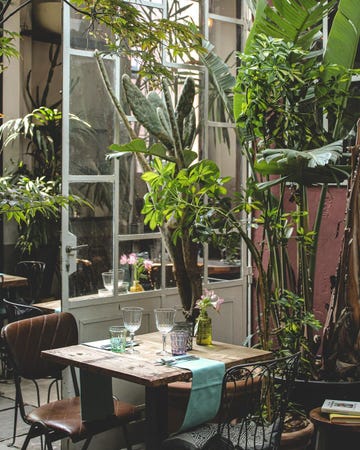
column 164, row 323
column 132, row 321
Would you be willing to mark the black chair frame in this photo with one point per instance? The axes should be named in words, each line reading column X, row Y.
column 254, row 401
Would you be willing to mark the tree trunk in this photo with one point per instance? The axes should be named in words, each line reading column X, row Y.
column 186, row 271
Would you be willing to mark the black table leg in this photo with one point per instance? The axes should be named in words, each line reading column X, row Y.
column 156, row 412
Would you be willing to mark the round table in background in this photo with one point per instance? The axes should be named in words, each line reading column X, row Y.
column 334, row 436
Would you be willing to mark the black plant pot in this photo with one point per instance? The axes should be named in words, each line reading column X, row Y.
column 311, row 394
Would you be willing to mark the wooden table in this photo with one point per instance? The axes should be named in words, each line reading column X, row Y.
column 98, row 366
column 10, row 281
column 50, row 306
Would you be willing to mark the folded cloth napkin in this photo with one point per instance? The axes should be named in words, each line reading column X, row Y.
column 205, row 395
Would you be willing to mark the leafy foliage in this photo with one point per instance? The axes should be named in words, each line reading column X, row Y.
column 27, row 198
column 140, row 34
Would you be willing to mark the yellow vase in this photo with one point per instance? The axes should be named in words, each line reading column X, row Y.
column 204, row 331
column 136, row 286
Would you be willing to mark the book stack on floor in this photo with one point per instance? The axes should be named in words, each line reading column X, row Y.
column 342, row 411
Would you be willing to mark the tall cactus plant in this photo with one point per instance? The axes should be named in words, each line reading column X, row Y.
column 173, row 177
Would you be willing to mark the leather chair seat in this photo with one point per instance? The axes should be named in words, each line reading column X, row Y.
column 66, row 417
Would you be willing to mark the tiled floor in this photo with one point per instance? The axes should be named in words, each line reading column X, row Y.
column 7, row 395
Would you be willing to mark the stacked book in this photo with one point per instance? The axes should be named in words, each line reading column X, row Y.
column 342, row 411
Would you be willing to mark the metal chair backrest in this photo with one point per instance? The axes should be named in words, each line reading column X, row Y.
column 19, row 311
column 34, row 272
column 255, row 397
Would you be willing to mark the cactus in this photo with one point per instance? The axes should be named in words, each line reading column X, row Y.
column 185, row 103
column 189, row 129
column 145, row 112
column 175, row 128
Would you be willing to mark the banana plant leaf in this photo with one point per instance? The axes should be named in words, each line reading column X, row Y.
column 292, row 20
column 308, row 167
column 220, row 76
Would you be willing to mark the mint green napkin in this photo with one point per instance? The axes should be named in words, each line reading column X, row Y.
column 205, row 396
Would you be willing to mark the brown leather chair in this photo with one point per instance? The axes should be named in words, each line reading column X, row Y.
column 59, row 419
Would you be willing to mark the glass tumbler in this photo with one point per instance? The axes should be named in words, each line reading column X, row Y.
column 118, row 338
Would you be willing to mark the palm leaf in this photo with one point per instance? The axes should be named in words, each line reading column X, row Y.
column 220, row 76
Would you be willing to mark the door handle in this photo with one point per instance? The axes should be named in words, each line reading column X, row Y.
column 70, row 249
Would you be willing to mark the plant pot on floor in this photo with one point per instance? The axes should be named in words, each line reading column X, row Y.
column 297, row 440
column 311, row 394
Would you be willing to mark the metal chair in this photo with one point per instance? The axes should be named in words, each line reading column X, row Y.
column 255, row 422
column 25, row 339
column 19, row 311
column 34, row 272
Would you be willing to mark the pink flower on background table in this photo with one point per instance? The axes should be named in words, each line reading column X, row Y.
column 140, row 265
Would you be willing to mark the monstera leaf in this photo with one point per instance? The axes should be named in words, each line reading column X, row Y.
column 309, row 167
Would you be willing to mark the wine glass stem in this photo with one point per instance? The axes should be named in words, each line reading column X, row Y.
column 164, row 342
column 132, row 335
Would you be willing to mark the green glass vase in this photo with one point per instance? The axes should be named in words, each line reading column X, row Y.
column 204, row 330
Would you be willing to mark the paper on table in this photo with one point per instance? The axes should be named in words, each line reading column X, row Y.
column 104, row 344
column 205, row 396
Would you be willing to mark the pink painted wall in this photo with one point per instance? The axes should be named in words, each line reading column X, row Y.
column 329, row 246
column 330, row 240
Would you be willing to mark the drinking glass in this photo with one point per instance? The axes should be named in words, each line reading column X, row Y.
column 164, row 323
column 132, row 321
column 108, row 279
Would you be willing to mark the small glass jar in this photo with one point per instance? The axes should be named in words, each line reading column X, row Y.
column 186, row 326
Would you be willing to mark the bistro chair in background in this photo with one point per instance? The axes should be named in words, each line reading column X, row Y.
column 34, row 272
column 256, row 422
column 13, row 312
column 59, row 419
column 19, row 311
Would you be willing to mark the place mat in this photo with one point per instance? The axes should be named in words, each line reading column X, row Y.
column 205, row 395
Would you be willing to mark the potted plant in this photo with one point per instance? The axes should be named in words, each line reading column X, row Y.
column 169, row 203
column 301, row 159
column 283, row 88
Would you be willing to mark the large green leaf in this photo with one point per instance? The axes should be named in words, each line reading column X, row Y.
column 320, row 165
column 342, row 47
column 220, row 76
column 297, row 21
column 139, row 146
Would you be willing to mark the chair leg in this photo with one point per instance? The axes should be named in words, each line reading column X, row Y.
column 48, row 442
column 86, row 443
column 126, row 438
column 15, row 419
column 27, row 440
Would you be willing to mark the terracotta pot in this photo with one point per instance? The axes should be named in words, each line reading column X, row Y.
column 297, row 440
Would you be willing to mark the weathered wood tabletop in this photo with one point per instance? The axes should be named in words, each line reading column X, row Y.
column 49, row 306
column 141, row 367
